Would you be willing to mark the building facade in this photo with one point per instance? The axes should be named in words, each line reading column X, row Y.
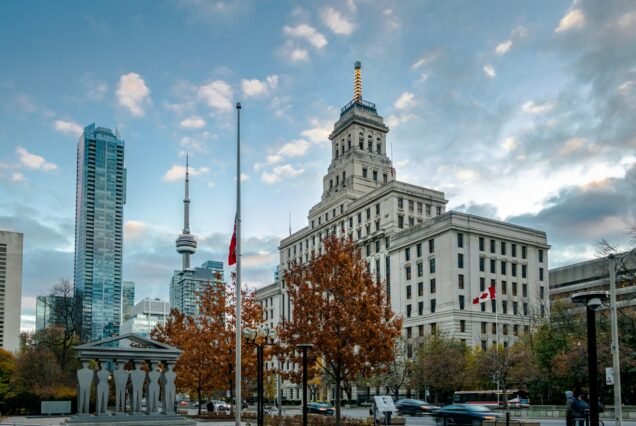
column 187, row 285
column 127, row 300
column 101, row 195
column 49, row 311
column 146, row 315
column 11, row 249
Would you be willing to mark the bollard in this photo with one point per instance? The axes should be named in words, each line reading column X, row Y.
column 508, row 418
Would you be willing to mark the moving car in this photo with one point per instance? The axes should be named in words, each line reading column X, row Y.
column 219, row 405
column 464, row 414
column 414, row 407
column 320, row 408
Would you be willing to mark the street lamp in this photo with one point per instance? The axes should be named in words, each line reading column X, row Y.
column 304, row 347
column 259, row 337
column 592, row 300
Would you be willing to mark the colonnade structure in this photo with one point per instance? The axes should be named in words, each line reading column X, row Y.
column 141, row 369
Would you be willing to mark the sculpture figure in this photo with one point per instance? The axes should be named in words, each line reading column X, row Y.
column 137, row 377
column 121, row 380
column 153, row 388
column 85, row 379
column 102, row 388
column 162, row 389
column 169, row 389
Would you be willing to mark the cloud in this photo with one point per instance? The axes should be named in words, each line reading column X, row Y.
column 573, row 20
column 394, row 120
column 531, row 107
column 192, row 145
column 299, row 55
column 308, row 33
column 467, row 176
column 489, row 70
column 256, row 87
column 16, row 177
column 510, row 144
column 194, row 122
column 279, row 172
column 134, row 229
column 32, row 161
column 176, row 173
column 571, row 146
column 336, row 22
column 404, row 101
column 294, row 148
column 280, row 105
column 392, row 20
column 424, row 60
column 217, row 95
column 68, row 127
column 133, row 93
column 504, row 47
column 320, row 131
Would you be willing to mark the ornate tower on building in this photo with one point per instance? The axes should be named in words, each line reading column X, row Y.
column 186, row 244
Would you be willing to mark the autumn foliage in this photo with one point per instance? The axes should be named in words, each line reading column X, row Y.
column 339, row 308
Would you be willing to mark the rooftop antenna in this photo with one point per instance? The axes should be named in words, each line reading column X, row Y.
column 357, row 81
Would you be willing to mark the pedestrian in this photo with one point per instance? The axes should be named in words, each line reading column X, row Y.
column 571, row 411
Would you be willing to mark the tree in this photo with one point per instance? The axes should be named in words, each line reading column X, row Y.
column 7, row 370
column 339, row 308
column 396, row 373
column 440, row 364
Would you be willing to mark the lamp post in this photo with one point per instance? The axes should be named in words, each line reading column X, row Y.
column 259, row 338
column 592, row 300
column 304, row 347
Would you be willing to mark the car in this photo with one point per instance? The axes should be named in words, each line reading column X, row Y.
column 464, row 414
column 218, row 406
column 320, row 408
column 519, row 403
column 414, row 407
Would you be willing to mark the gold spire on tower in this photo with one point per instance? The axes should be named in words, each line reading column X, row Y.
column 357, row 82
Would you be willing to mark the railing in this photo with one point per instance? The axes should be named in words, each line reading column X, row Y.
column 370, row 106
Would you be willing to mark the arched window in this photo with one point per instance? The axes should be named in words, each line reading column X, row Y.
column 370, row 144
column 378, row 148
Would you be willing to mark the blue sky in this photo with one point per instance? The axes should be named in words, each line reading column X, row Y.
column 521, row 111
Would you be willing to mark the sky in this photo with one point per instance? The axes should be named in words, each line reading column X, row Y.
column 519, row 111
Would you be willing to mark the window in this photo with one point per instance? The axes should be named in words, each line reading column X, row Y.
column 492, row 266
column 460, row 260
column 460, row 240
column 482, row 284
column 420, row 308
column 420, row 269
column 369, row 213
column 384, row 177
column 503, row 248
column 524, row 252
column 420, row 289
column 505, row 330
column 377, row 225
column 525, row 309
column 368, row 249
column 460, row 281
column 431, row 245
column 515, row 330
column 540, row 256
column 483, row 328
column 375, row 175
column 433, row 307
column 438, row 210
column 432, row 286
column 513, row 249
column 524, row 271
column 400, row 203
column 400, row 221
column 504, row 306
column 524, row 290
column 493, row 328
column 411, row 221
column 481, row 264
column 377, row 246
column 481, row 243
column 514, row 289
column 330, row 184
column 542, row 292
column 483, row 307
column 408, row 272
column 407, row 254
column 504, row 288
column 420, row 330
column 364, row 172
column 540, row 274
column 378, row 148
column 387, row 242
column 359, row 218
column 419, row 249
column 411, row 205
column 483, row 345
column 377, row 209
column 408, row 311
column 503, row 268
column 431, row 264
column 513, row 266
column 408, row 291
column 493, row 305
column 462, row 326
column 492, row 246
column 409, row 333
column 461, row 301
column 419, row 208
column 428, row 210
column 515, row 308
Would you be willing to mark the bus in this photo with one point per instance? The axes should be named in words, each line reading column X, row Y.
column 517, row 398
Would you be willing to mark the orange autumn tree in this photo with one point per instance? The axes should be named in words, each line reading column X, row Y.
column 339, row 308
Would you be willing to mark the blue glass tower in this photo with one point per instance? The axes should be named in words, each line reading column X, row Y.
column 101, row 195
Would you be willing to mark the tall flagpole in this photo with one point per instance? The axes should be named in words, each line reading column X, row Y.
column 237, row 368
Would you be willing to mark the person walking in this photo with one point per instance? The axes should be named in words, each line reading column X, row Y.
column 571, row 409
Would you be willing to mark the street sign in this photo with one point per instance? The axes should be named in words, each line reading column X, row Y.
column 384, row 404
column 609, row 376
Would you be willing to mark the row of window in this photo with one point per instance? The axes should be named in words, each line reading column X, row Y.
column 503, row 249
column 462, row 305
column 341, row 147
column 412, row 204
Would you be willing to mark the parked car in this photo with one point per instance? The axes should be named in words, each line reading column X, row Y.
column 464, row 414
column 414, row 407
column 320, row 408
column 218, row 406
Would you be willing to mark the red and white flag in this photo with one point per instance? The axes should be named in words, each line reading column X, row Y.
column 485, row 296
column 231, row 258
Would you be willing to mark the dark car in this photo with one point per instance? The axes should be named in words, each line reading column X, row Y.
column 414, row 407
column 464, row 414
column 320, row 408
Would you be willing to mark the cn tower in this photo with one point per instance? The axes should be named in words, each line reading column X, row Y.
column 186, row 244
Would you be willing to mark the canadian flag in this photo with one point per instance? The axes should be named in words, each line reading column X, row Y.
column 231, row 258
column 485, row 296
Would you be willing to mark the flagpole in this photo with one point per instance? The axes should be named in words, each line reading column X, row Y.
column 237, row 368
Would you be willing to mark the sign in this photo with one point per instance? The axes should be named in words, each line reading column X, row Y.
column 609, row 376
column 384, row 404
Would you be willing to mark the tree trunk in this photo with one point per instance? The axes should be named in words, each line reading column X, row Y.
column 233, row 400
column 199, row 391
column 337, row 402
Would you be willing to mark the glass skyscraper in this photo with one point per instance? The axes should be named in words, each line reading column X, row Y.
column 127, row 300
column 101, row 195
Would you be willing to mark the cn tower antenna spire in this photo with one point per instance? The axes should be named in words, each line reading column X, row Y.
column 186, row 244
column 357, row 82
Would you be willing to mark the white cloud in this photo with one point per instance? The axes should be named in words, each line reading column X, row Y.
column 299, row 55
column 32, row 161
column 336, row 22
column 17, row 177
column 294, row 148
column 531, row 107
column 256, row 87
column 467, row 175
column 217, row 94
column 194, row 122
column 176, row 173
column 489, row 70
column 392, row 20
column 279, row 172
column 394, row 120
column 404, row 101
column 504, row 47
column 192, row 144
column 573, row 20
column 571, row 146
column 510, row 144
column 134, row 229
column 426, row 59
column 244, row 177
column 68, row 127
column 320, row 131
column 306, row 32
column 132, row 93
